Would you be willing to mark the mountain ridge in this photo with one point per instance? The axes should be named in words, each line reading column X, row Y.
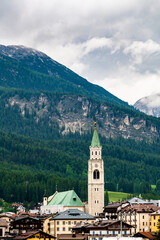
column 41, row 63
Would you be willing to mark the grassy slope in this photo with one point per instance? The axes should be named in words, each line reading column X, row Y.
column 118, row 196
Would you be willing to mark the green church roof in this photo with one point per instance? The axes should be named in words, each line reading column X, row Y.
column 95, row 139
column 68, row 198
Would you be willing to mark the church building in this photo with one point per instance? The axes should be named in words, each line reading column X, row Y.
column 61, row 201
column 95, row 177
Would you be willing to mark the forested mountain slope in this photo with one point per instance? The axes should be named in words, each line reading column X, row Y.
column 27, row 68
column 28, row 166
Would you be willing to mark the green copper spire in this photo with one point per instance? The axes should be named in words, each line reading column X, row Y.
column 95, row 139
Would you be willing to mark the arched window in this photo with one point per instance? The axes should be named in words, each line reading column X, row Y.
column 96, row 174
column 96, row 152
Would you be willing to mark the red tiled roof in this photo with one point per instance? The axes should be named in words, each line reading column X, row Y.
column 29, row 234
column 144, row 207
column 146, row 235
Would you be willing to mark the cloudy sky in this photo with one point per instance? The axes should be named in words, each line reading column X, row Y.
column 112, row 43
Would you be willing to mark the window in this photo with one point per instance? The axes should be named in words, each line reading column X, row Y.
column 154, row 224
column 119, row 226
column 143, row 216
column 74, row 222
column 69, row 222
column 107, row 232
column 100, row 232
column 93, row 232
column 113, row 232
column 143, row 223
column 154, row 217
column 113, row 226
column 97, row 189
column 63, row 222
column 143, row 229
column 96, row 174
column 69, row 229
column 63, row 228
column 95, row 152
column 57, row 222
column 125, row 232
column 92, row 153
column 57, row 228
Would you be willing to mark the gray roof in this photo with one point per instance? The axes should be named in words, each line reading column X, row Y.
column 136, row 200
column 72, row 214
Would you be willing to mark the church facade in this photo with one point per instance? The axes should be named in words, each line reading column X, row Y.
column 95, row 177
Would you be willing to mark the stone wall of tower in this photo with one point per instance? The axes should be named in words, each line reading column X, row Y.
column 95, row 185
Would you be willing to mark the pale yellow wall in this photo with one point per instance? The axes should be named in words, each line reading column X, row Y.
column 65, row 226
column 46, row 225
column 143, row 221
column 154, row 221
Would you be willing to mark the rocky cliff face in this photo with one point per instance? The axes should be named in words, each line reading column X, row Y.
column 149, row 105
column 76, row 114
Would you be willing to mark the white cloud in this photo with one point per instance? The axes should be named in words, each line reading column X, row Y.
column 140, row 50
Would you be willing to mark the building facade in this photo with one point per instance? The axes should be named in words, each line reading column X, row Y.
column 154, row 220
column 138, row 215
column 63, row 222
column 95, row 177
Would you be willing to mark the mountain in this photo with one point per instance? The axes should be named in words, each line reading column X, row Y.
column 150, row 105
column 46, row 115
column 46, row 123
column 30, row 69
column 43, row 99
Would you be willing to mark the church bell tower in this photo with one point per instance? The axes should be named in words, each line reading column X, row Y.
column 95, row 176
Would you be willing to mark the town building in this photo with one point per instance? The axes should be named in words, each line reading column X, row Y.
column 155, row 216
column 104, row 228
column 64, row 221
column 61, row 201
column 138, row 215
column 110, row 211
column 95, row 177
column 23, row 224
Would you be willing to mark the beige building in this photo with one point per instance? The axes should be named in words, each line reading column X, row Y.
column 138, row 215
column 95, row 177
column 64, row 221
